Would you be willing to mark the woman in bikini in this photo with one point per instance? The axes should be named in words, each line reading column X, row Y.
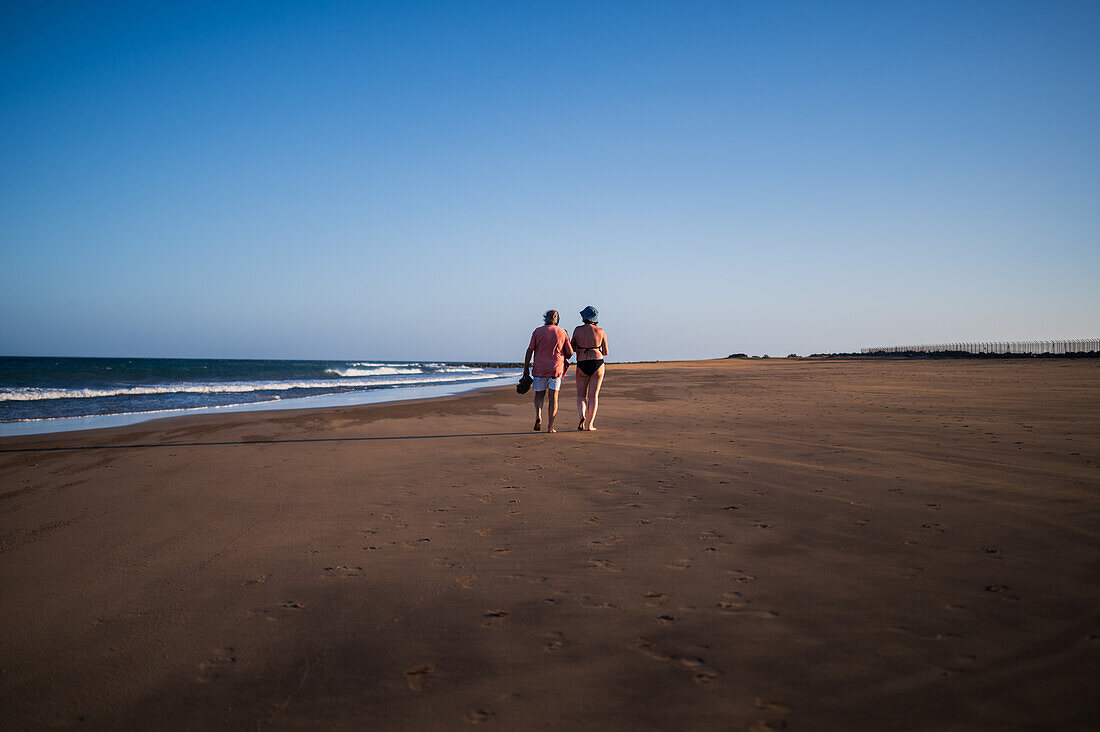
column 590, row 343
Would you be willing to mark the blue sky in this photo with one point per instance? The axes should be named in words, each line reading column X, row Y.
column 421, row 180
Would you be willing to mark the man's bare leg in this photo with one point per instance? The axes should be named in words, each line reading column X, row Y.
column 538, row 409
column 552, row 410
column 593, row 398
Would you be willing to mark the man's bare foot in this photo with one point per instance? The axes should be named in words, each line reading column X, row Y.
column 580, row 427
column 538, row 425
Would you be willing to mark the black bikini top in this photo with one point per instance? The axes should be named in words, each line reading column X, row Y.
column 591, row 348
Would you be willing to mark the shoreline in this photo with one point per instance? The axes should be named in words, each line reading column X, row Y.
column 820, row 545
column 57, row 425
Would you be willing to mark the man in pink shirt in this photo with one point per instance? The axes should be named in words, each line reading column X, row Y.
column 550, row 347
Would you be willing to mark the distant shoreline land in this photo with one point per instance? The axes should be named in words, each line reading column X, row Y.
column 1078, row 348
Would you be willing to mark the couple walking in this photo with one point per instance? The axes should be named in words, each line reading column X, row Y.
column 551, row 348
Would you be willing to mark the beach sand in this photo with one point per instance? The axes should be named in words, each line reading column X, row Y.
column 825, row 545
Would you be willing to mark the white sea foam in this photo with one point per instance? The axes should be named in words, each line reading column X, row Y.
column 24, row 394
column 378, row 371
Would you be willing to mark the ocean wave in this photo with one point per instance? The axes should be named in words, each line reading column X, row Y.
column 379, row 371
column 24, row 394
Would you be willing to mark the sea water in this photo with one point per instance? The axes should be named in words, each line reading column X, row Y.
column 50, row 394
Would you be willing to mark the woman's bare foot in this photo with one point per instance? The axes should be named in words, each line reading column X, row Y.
column 551, row 430
column 590, row 429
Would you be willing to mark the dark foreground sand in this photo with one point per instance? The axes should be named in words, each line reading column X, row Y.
column 825, row 545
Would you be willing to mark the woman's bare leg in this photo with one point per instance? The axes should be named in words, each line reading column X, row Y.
column 582, row 394
column 592, row 396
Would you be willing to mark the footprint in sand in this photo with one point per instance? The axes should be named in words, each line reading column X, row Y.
column 477, row 716
column 419, row 677
column 483, row 532
column 646, row 648
column 341, row 571
column 732, row 602
column 467, row 581
column 216, row 666
column 777, row 715
column 555, row 642
column 705, row 675
column 701, row 673
column 262, row 612
column 293, row 604
column 604, row 564
column 666, row 619
column 592, row 520
column 257, row 581
column 494, row 617
column 679, row 564
column 655, row 599
column 500, row 551
column 606, row 541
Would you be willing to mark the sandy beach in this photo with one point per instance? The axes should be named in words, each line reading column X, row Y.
column 815, row 545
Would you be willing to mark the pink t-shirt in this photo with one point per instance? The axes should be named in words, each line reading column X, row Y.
column 551, row 346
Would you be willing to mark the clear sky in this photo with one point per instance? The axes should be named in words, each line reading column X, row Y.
column 421, row 180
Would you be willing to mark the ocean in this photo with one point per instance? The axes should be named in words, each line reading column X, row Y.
column 72, row 393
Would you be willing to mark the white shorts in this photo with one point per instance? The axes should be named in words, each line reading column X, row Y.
column 544, row 382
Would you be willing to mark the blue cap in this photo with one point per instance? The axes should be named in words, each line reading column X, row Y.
column 591, row 314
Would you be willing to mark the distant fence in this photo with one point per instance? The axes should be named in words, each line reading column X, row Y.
column 1084, row 345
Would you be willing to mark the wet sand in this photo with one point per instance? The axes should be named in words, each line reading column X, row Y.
column 744, row 545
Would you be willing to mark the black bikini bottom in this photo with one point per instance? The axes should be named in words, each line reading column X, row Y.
column 590, row 367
